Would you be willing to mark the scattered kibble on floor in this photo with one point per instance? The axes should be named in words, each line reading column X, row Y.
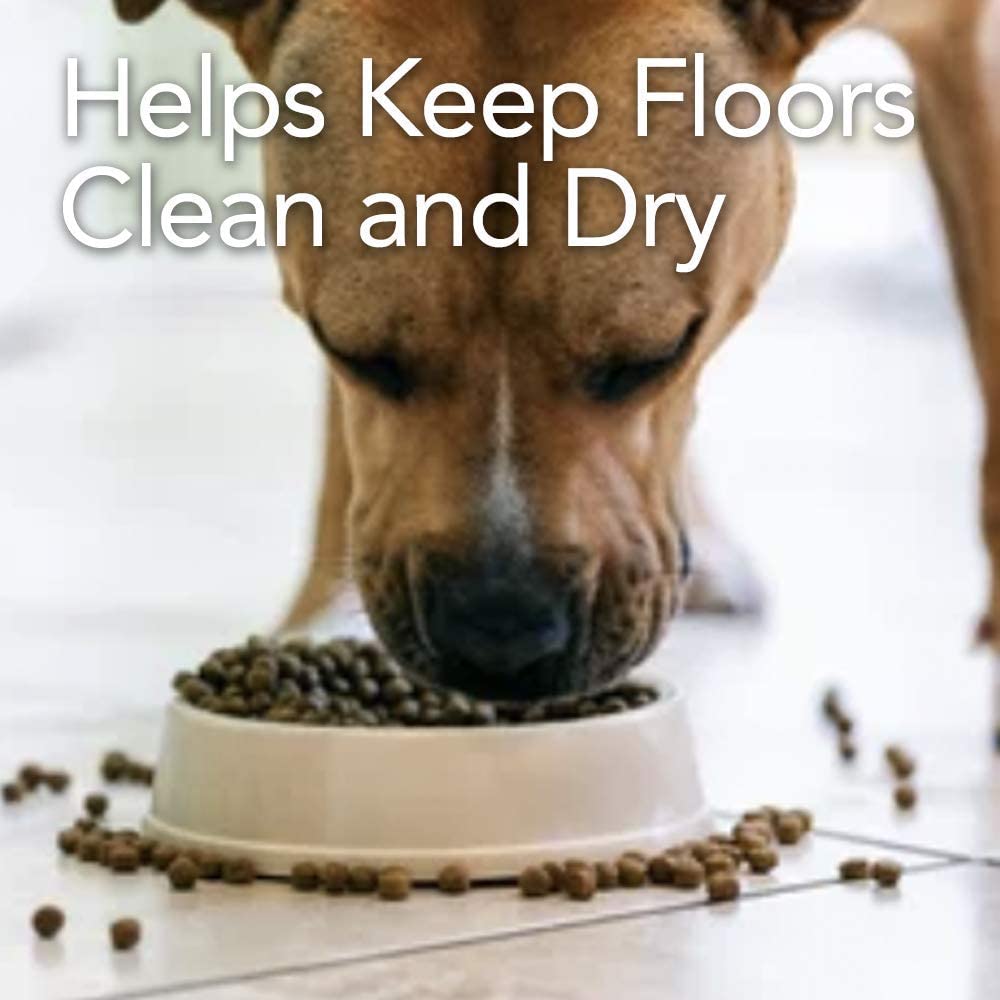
column 905, row 796
column 48, row 921
column 887, row 873
column 454, row 879
column 96, row 805
column 394, row 883
column 182, row 873
column 855, row 869
column 125, row 933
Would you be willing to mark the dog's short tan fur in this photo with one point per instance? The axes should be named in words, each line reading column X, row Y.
column 499, row 440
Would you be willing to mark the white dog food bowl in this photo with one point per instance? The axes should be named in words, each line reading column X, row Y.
column 496, row 798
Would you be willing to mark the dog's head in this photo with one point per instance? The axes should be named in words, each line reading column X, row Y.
column 513, row 421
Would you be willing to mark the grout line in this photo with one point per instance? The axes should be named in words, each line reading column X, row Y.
column 472, row 940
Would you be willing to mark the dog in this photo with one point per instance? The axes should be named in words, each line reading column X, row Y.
column 506, row 429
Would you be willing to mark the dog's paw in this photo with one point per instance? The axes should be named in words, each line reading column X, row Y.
column 723, row 580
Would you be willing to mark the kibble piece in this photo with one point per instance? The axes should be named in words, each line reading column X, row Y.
column 123, row 858
column 688, row 873
column 902, row 764
column 831, row 704
column 806, row 817
column 69, row 840
column 125, row 934
column 454, row 879
column 305, row 876
column 855, row 870
column 146, row 846
column 164, row 856
column 905, row 796
column 606, row 874
column 631, row 871
column 335, row 877
column 789, row 829
column 848, row 749
column 661, row 870
column 763, row 860
column 845, row 724
column 718, row 863
column 723, row 887
column 209, row 865
column 238, row 871
column 12, row 792
column 362, row 878
column 48, row 921
column 114, row 765
column 534, row 882
column 556, row 875
column 394, row 884
column 183, row 873
column 580, row 883
column 57, row 781
column 96, row 804
column 91, row 845
column 887, row 873
column 31, row 776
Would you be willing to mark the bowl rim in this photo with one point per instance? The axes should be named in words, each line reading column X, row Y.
column 669, row 697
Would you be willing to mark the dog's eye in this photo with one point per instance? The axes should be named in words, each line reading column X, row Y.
column 618, row 378
column 382, row 370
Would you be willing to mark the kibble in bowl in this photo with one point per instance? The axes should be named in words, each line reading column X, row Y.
column 353, row 786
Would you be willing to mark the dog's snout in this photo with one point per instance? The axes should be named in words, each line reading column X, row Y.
column 496, row 624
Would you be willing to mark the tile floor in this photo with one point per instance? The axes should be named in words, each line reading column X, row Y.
column 159, row 452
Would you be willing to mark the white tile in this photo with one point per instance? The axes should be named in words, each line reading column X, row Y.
column 934, row 937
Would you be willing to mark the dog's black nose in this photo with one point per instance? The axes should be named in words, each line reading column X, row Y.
column 489, row 626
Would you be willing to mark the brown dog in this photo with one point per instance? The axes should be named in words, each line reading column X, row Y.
column 506, row 427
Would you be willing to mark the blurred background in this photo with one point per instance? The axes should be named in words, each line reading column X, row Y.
column 160, row 422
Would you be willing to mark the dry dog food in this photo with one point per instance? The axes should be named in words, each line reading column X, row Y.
column 855, row 870
column 903, row 764
column 96, row 804
column 905, row 796
column 534, row 882
column 631, row 871
column 183, row 873
column 789, row 829
column 48, row 921
column 762, row 860
column 123, row 858
column 350, row 683
column 305, row 876
column 688, row 873
column 362, row 879
column 394, row 884
column 581, row 882
column 118, row 767
column 887, row 873
column 454, row 879
column 125, row 934
column 723, row 887
column 30, row 777
column 239, row 871
column 334, row 878
column 606, row 874
column 847, row 748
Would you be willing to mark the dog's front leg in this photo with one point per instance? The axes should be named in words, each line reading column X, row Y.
column 328, row 576
column 954, row 46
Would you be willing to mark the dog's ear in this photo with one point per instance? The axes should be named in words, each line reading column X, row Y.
column 253, row 24
column 788, row 30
